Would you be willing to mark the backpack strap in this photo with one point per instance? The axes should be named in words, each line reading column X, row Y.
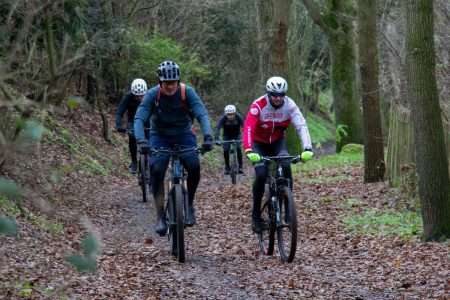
column 183, row 95
column 184, row 102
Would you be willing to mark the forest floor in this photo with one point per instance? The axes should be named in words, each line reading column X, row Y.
column 223, row 260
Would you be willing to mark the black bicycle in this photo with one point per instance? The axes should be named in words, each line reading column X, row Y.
column 234, row 163
column 278, row 211
column 176, row 199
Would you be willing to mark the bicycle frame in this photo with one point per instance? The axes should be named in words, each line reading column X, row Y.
column 281, row 213
column 176, row 170
column 176, row 199
column 277, row 181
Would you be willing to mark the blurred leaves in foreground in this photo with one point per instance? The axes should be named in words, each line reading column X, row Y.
column 8, row 226
column 9, row 189
column 87, row 262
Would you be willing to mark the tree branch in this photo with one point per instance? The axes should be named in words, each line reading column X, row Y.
column 315, row 14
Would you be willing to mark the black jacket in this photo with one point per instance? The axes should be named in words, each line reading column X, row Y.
column 129, row 104
column 231, row 128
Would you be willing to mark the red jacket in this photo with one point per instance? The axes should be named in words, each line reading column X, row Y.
column 265, row 124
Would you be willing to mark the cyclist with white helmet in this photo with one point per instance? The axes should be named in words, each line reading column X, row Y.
column 130, row 103
column 171, row 105
column 231, row 122
column 264, row 128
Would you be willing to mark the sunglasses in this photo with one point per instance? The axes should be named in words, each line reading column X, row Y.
column 277, row 94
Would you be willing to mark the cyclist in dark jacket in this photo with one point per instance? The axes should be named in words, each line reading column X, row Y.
column 171, row 124
column 129, row 104
column 232, row 123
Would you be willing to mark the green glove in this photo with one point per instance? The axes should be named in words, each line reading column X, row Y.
column 307, row 155
column 253, row 157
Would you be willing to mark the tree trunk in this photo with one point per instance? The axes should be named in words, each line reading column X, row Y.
column 431, row 156
column 343, row 86
column 263, row 18
column 279, row 58
column 374, row 165
column 338, row 26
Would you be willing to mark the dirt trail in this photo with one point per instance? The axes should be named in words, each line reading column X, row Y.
column 223, row 261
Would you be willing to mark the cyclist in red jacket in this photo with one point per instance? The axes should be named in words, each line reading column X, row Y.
column 263, row 135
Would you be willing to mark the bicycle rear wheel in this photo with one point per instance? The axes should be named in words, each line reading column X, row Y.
column 287, row 229
column 267, row 235
column 179, row 222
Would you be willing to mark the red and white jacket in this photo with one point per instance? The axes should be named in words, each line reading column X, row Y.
column 265, row 124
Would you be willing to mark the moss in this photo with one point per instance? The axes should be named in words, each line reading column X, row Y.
column 353, row 148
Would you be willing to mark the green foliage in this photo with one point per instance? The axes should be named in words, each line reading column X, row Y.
column 332, row 161
column 74, row 102
column 353, row 148
column 87, row 157
column 45, row 224
column 341, row 132
column 13, row 210
column 325, row 179
column 320, row 130
column 146, row 53
column 384, row 222
column 91, row 249
column 26, row 289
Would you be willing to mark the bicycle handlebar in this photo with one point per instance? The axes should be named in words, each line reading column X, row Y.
column 228, row 141
column 174, row 152
column 128, row 130
column 293, row 159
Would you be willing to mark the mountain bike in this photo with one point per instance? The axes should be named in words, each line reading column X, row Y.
column 278, row 211
column 176, row 198
column 234, row 163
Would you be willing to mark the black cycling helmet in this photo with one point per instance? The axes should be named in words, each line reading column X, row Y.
column 168, row 71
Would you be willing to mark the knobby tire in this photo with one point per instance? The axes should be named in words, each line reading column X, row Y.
column 267, row 235
column 179, row 220
column 289, row 221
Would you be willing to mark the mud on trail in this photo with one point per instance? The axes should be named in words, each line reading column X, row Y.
column 223, row 261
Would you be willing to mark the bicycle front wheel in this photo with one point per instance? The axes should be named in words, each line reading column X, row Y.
column 233, row 174
column 179, row 221
column 144, row 179
column 287, row 228
column 267, row 235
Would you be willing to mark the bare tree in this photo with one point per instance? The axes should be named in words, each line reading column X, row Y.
column 431, row 157
column 374, row 165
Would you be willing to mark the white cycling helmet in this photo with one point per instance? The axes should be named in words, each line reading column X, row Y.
column 138, row 87
column 277, row 85
column 230, row 109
